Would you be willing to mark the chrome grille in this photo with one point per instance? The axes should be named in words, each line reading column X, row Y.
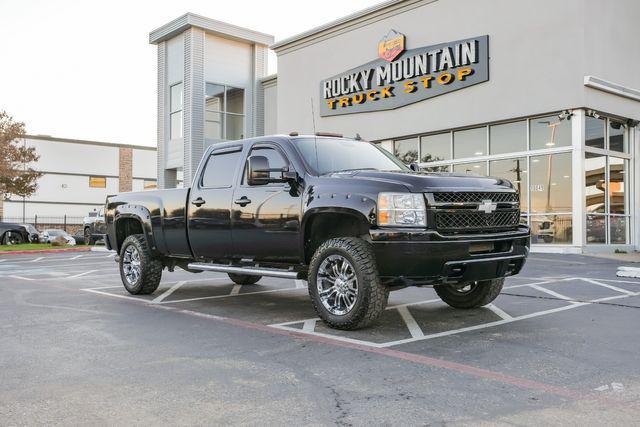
column 475, row 197
column 466, row 220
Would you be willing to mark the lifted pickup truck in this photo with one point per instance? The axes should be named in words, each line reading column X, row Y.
column 342, row 213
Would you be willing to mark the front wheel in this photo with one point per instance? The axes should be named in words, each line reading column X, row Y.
column 139, row 270
column 470, row 294
column 344, row 285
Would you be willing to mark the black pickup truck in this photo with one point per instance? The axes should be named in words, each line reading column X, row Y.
column 342, row 213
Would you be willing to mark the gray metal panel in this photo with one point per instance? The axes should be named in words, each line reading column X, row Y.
column 193, row 110
column 189, row 20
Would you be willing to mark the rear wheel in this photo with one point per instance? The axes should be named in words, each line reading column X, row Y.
column 244, row 279
column 470, row 294
column 87, row 236
column 12, row 238
column 344, row 285
column 139, row 270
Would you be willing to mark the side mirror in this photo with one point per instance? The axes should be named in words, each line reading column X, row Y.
column 258, row 172
column 414, row 167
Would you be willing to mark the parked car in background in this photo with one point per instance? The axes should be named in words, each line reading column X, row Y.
column 34, row 234
column 13, row 234
column 49, row 236
column 94, row 227
column 79, row 237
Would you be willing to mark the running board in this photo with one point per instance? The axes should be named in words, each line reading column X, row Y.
column 251, row 271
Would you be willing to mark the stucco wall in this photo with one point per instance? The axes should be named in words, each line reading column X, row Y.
column 539, row 54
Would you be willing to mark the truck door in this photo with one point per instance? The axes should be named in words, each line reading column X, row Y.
column 266, row 218
column 209, row 204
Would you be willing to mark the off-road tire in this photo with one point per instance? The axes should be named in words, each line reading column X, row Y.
column 12, row 238
column 244, row 279
column 484, row 293
column 150, row 267
column 87, row 236
column 372, row 295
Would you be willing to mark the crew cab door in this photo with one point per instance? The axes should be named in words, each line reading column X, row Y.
column 266, row 218
column 209, row 204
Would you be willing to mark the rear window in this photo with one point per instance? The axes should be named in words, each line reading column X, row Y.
column 220, row 169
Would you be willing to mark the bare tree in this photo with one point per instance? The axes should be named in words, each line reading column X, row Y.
column 16, row 175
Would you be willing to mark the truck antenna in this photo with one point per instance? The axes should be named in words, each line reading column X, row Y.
column 315, row 134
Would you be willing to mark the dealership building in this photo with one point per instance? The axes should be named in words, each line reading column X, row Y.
column 544, row 93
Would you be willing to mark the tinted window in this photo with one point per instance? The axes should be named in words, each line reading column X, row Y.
column 276, row 160
column 594, row 132
column 406, row 150
column 548, row 132
column 220, row 169
column 326, row 155
column 436, row 147
column 470, row 143
column 508, row 138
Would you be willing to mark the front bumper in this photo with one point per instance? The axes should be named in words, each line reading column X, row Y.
column 420, row 257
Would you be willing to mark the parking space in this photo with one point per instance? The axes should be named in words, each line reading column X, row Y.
column 557, row 304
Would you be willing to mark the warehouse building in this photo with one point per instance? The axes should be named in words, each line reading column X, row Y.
column 544, row 93
column 77, row 175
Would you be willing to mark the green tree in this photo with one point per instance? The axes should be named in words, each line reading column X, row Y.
column 16, row 175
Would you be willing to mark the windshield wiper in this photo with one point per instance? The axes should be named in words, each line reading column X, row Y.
column 354, row 169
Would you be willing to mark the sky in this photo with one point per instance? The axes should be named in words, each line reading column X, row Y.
column 85, row 69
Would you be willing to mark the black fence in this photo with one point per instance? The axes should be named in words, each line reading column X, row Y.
column 65, row 222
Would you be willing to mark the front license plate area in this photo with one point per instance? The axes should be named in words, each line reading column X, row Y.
column 481, row 248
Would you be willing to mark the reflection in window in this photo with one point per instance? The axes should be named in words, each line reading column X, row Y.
column 595, row 188
column 477, row 168
column 552, row 229
column 470, row 143
column 617, row 137
column 508, row 137
column 515, row 170
column 594, row 132
column 550, row 185
column 224, row 112
column 175, row 111
column 275, row 159
column 617, row 186
column 435, row 147
column 596, row 228
column 442, row 168
column 548, row 132
column 406, row 150
column 618, row 229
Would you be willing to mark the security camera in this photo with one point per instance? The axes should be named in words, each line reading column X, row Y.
column 566, row 114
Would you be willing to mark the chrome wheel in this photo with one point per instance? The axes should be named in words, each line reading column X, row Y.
column 131, row 264
column 337, row 285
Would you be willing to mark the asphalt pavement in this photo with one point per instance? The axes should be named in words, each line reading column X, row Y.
column 560, row 345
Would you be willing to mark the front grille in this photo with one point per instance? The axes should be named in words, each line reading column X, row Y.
column 467, row 220
column 475, row 197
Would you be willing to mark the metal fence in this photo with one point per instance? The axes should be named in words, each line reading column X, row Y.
column 67, row 223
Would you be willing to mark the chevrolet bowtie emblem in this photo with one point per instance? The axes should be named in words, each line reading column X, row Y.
column 487, row 206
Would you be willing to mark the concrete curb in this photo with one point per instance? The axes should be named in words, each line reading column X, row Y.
column 46, row 251
column 628, row 272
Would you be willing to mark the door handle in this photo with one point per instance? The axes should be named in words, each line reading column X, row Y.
column 242, row 201
column 198, row 202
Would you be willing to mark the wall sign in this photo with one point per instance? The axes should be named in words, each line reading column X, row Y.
column 401, row 77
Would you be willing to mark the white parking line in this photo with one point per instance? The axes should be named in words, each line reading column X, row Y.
column 309, row 325
column 230, row 296
column 2, row 260
column 550, row 292
column 500, row 312
column 556, row 260
column 168, row 292
column 23, row 278
column 75, row 276
column 604, row 285
column 37, row 259
column 301, row 283
column 235, row 290
column 75, row 257
column 412, row 325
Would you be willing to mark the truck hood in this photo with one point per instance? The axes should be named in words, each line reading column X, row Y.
column 419, row 182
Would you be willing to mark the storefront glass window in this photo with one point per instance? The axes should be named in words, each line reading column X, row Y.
column 515, row 170
column 477, row 168
column 594, row 132
column 470, row 143
column 596, row 228
column 175, row 111
column 557, row 229
column 617, row 137
column 549, row 132
column 443, row 168
column 595, row 191
column 617, row 186
column 406, row 150
column 435, row 147
column 618, row 229
column 508, row 137
column 551, row 183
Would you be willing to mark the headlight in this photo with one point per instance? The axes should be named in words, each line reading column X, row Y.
column 401, row 210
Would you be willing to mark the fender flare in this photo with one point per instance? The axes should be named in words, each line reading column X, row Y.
column 138, row 213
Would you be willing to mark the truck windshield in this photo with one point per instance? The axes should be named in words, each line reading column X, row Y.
column 327, row 155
